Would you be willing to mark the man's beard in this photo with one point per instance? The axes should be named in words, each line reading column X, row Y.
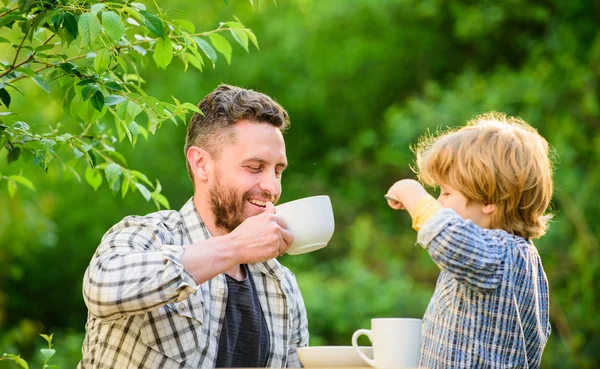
column 226, row 206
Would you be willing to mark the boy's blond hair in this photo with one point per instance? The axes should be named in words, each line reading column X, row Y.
column 494, row 159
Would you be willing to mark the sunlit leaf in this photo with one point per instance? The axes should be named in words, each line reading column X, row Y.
column 207, row 49
column 97, row 7
column 144, row 191
column 185, row 25
column 252, row 37
column 222, row 45
column 12, row 188
column 192, row 107
column 161, row 199
column 47, row 353
column 154, row 23
column 163, row 52
column 111, row 100
column 24, row 181
column 195, row 61
column 113, row 26
column 93, row 177
column 124, row 187
column 241, row 37
column 102, row 61
column 113, row 174
column 89, row 27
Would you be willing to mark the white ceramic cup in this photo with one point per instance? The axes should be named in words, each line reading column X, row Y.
column 310, row 220
column 396, row 343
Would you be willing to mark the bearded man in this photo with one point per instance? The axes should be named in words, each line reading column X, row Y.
column 201, row 287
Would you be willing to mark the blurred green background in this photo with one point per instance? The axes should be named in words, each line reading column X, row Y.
column 361, row 79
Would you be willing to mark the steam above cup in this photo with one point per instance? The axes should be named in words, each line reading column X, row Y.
column 310, row 220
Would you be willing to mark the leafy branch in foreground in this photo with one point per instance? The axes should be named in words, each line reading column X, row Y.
column 93, row 53
column 47, row 353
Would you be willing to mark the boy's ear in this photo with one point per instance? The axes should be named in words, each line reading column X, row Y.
column 488, row 208
column 200, row 162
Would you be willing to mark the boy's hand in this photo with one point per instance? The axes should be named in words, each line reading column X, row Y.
column 405, row 194
column 393, row 203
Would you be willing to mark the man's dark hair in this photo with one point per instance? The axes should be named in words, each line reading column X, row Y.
column 222, row 108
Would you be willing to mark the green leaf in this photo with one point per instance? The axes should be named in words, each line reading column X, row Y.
column 113, row 174
column 192, row 107
column 195, row 61
column 144, row 191
column 98, row 100
column 207, row 49
column 26, row 5
column 124, row 187
column 70, row 23
column 226, row 2
column 24, row 181
column 163, row 52
column 89, row 90
column 185, row 25
column 97, row 7
column 222, row 45
column 154, row 23
column 93, row 177
column 102, row 61
column 47, row 353
column 112, row 85
column 241, row 37
column 9, row 18
column 5, row 97
column 141, row 176
column 89, row 28
column 161, row 199
column 114, row 100
column 13, row 155
column 113, row 26
column 44, row 48
column 12, row 188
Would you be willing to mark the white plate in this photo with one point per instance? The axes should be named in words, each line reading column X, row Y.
column 333, row 356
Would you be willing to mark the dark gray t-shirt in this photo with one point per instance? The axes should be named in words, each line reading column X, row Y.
column 244, row 340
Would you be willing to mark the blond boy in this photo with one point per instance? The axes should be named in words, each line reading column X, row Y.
column 490, row 305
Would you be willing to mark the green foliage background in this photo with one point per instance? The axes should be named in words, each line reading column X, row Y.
column 361, row 80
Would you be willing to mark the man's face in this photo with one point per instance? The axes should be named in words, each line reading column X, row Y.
column 247, row 174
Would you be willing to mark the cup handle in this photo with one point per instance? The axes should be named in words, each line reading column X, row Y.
column 358, row 333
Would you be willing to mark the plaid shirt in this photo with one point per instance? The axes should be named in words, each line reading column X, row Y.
column 490, row 306
column 147, row 311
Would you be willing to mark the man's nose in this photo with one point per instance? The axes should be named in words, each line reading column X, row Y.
column 271, row 184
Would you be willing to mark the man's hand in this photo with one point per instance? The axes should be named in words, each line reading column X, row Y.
column 261, row 237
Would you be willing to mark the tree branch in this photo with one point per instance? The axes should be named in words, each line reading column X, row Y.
column 7, row 12
column 26, row 60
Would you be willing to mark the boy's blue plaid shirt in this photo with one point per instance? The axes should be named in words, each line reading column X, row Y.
column 490, row 305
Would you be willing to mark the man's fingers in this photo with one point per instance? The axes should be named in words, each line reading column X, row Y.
column 287, row 237
column 270, row 208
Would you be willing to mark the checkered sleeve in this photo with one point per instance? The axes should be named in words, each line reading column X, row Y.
column 299, row 323
column 137, row 268
column 463, row 249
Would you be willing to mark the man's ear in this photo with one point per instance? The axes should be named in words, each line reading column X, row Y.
column 488, row 208
column 200, row 162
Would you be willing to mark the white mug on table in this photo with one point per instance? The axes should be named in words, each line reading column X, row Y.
column 396, row 343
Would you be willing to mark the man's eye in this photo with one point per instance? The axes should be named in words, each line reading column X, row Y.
column 278, row 174
column 254, row 169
